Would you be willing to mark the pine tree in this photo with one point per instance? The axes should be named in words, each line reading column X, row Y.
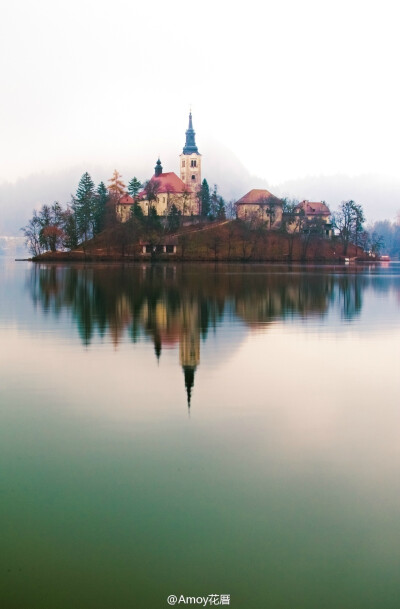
column 101, row 200
column 153, row 220
column 221, row 215
column 83, row 206
column 134, row 187
column 137, row 212
column 174, row 218
column 204, row 196
column 70, row 230
column 214, row 205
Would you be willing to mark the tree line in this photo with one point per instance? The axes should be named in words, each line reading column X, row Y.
column 92, row 209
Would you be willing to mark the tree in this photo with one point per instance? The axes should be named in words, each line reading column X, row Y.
column 51, row 233
column 221, row 214
column 270, row 210
column 204, row 199
column 32, row 234
column 137, row 212
column 150, row 190
column 134, row 187
column 215, row 241
column 310, row 228
column 153, row 220
column 116, row 187
column 83, row 206
column 71, row 239
column 185, row 201
column 214, row 203
column 174, row 218
column 101, row 199
column 230, row 209
column 292, row 220
column 376, row 243
column 349, row 220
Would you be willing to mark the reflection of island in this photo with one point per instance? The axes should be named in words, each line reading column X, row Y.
column 176, row 305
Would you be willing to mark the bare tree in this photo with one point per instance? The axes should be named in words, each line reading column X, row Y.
column 32, row 234
column 151, row 190
column 349, row 220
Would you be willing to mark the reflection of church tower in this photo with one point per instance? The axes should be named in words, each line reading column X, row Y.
column 189, row 371
column 190, row 160
column 189, row 345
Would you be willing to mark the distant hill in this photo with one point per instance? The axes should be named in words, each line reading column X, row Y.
column 379, row 197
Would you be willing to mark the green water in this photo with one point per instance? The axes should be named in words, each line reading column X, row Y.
column 195, row 430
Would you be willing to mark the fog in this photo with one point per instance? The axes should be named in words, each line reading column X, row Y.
column 299, row 97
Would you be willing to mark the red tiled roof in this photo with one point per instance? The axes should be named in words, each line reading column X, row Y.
column 169, row 182
column 126, row 200
column 314, row 209
column 258, row 197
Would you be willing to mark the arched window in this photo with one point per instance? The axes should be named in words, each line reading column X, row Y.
column 193, row 177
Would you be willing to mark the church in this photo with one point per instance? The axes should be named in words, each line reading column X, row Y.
column 165, row 189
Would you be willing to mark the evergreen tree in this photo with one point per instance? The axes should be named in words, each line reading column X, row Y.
column 221, row 215
column 137, row 212
column 70, row 230
column 153, row 220
column 134, row 187
column 204, row 198
column 101, row 200
column 174, row 218
column 83, row 206
column 214, row 203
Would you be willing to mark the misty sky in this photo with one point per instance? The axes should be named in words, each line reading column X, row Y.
column 292, row 89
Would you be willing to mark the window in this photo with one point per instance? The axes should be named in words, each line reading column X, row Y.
column 183, row 163
column 193, row 163
column 193, row 177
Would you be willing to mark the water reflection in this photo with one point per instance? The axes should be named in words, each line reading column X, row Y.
column 177, row 305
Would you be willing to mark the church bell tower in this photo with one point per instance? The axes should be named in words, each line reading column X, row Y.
column 190, row 160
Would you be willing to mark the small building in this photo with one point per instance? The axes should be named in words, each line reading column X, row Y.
column 260, row 206
column 318, row 210
column 166, row 246
column 123, row 208
column 317, row 215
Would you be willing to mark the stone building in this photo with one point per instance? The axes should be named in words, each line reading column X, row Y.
column 260, row 206
column 123, row 208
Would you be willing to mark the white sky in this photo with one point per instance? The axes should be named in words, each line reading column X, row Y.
column 292, row 88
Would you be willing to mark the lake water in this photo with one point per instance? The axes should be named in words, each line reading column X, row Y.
column 199, row 429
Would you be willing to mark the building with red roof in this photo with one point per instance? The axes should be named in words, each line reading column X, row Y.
column 314, row 210
column 165, row 189
column 260, row 206
column 123, row 208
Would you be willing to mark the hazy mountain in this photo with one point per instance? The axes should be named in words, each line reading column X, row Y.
column 379, row 196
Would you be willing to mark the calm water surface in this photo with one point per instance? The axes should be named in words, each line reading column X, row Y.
column 196, row 430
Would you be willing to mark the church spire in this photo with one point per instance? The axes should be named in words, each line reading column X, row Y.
column 158, row 168
column 190, row 145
